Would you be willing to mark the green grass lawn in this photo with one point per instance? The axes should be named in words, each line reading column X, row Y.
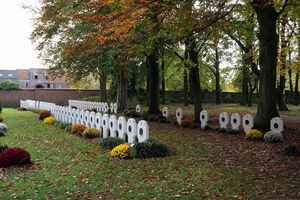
column 205, row 165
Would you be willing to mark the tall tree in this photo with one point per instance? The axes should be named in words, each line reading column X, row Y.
column 268, row 40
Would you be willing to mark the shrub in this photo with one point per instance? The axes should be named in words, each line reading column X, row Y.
column 111, row 142
column 43, row 116
column 152, row 148
column 207, row 127
column 14, row 156
column 22, row 109
column 69, row 128
column 151, row 118
column 3, row 147
column 291, row 150
column 233, row 131
column 161, row 117
column 1, row 119
column 2, row 133
column 44, row 112
column 195, row 126
column 63, row 125
column 49, row 120
column 78, row 129
column 163, row 120
column 121, row 151
column 91, row 133
column 186, row 123
column 254, row 134
column 222, row 130
column 3, row 127
column 56, row 123
column 145, row 116
column 273, row 136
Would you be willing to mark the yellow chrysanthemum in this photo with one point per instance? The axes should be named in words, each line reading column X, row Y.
column 121, row 151
column 254, row 134
column 49, row 120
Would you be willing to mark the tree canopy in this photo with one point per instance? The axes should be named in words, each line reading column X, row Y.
column 120, row 39
column 10, row 85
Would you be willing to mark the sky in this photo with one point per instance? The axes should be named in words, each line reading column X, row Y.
column 16, row 50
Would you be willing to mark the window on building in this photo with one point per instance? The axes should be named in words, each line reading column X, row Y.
column 9, row 74
column 36, row 76
column 1, row 74
column 48, row 85
column 27, row 85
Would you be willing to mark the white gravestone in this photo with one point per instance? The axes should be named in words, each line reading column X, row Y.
column 142, row 131
column 165, row 112
column 77, row 117
column 98, row 121
column 223, row 119
column 277, row 124
column 81, row 117
column 92, row 120
column 248, row 123
column 105, row 125
column 106, row 107
column 115, row 108
column 113, row 125
column 235, row 121
column 138, row 108
column 131, row 130
column 111, row 107
column 86, row 118
column 179, row 115
column 203, row 118
column 102, row 107
column 122, row 127
column 73, row 116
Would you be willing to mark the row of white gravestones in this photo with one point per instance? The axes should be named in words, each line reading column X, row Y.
column 99, row 106
column 110, row 125
column 276, row 124
column 40, row 104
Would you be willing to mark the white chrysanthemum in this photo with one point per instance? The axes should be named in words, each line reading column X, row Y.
column 3, row 127
column 272, row 136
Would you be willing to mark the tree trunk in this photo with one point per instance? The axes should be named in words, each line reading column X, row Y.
column 296, row 89
column 283, row 54
column 102, row 94
column 185, row 88
column 268, row 41
column 163, row 86
column 280, row 101
column 122, row 92
column 153, row 83
column 291, row 93
column 195, row 79
column 218, row 88
column 132, row 85
column 186, row 80
column 244, row 99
